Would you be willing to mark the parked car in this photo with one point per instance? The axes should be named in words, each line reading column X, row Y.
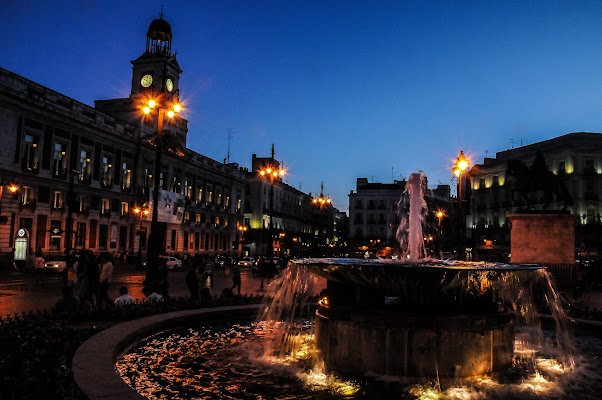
column 246, row 262
column 171, row 262
column 58, row 264
column 222, row 262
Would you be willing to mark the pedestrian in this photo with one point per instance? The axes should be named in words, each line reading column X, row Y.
column 39, row 264
column 192, row 282
column 163, row 279
column 236, row 281
column 151, row 295
column 71, row 273
column 92, row 272
column 124, row 298
column 208, row 271
column 106, row 275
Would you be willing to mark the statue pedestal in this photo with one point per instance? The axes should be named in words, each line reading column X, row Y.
column 544, row 238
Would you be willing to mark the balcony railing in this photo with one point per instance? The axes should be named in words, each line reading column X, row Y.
column 84, row 177
column 30, row 166
column 59, row 172
column 106, row 182
column 27, row 203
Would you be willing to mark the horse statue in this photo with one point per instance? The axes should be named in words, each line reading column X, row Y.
column 537, row 178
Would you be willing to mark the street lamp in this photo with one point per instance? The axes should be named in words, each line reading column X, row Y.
column 13, row 188
column 161, row 107
column 321, row 201
column 439, row 214
column 460, row 168
column 271, row 172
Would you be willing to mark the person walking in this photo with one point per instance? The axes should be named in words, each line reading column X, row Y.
column 39, row 264
column 192, row 282
column 208, row 272
column 106, row 275
column 236, row 280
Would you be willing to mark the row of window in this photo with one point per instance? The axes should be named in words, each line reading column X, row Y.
column 359, row 219
column 31, row 162
column 373, row 204
column 59, row 169
column 201, row 241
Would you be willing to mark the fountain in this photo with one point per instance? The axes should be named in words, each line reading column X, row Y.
column 416, row 320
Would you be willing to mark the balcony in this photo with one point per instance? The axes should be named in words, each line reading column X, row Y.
column 105, row 213
column 30, row 166
column 27, row 204
column 126, row 187
column 84, row 177
column 59, row 172
column 106, row 182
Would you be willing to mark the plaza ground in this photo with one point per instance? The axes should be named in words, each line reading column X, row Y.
column 20, row 293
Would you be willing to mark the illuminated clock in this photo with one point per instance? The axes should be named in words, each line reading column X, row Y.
column 169, row 85
column 147, row 80
column 21, row 232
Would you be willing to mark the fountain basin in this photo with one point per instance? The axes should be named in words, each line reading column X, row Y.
column 355, row 342
column 407, row 319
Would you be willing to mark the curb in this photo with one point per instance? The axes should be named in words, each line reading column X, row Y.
column 94, row 361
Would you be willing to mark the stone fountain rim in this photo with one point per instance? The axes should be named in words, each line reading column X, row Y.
column 93, row 364
column 426, row 264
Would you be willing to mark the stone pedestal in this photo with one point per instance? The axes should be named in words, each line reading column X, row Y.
column 546, row 239
column 542, row 238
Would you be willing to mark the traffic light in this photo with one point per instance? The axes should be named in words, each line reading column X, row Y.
column 233, row 244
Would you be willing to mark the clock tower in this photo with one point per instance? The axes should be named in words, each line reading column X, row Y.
column 156, row 75
column 156, row 71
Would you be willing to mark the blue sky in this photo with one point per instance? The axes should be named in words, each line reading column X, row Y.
column 345, row 89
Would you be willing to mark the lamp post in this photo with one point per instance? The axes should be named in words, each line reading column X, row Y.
column 162, row 107
column 13, row 188
column 271, row 172
column 242, row 229
column 321, row 201
column 460, row 167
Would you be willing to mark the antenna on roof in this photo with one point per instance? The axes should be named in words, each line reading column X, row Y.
column 161, row 15
column 229, row 133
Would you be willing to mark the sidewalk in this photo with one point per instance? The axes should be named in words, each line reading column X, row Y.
column 18, row 292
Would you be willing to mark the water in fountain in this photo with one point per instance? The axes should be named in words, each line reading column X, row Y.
column 409, row 232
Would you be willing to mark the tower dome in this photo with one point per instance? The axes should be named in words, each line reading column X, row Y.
column 158, row 37
column 160, row 30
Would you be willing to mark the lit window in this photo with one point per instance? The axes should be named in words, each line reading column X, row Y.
column 105, row 206
column 57, row 200
column 27, row 195
column 125, row 207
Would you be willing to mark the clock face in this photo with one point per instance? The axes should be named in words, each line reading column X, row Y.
column 21, row 232
column 169, row 85
column 147, row 80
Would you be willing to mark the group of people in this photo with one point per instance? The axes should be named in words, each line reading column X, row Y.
column 199, row 279
column 89, row 277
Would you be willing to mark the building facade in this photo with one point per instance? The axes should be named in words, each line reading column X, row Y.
column 575, row 159
column 375, row 214
column 85, row 174
column 283, row 217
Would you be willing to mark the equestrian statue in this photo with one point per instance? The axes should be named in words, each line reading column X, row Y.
column 528, row 181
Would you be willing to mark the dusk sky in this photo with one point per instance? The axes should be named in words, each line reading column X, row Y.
column 345, row 89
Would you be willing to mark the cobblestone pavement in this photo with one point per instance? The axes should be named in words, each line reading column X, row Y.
column 19, row 292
